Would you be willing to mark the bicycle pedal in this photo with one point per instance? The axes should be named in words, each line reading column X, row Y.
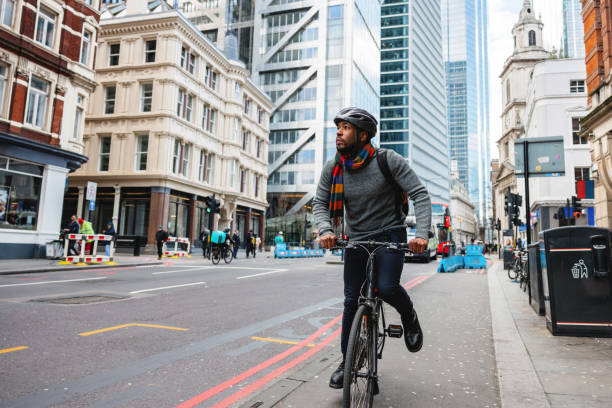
column 395, row 330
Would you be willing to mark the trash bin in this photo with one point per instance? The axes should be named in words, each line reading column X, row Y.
column 508, row 258
column 536, row 291
column 136, row 245
column 576, row 280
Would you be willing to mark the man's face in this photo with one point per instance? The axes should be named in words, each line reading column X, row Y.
column 345, row 137
column 73, row 218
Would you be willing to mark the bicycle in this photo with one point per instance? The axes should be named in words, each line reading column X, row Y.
column 524, row 273
column 219, row 251
column 368, row 333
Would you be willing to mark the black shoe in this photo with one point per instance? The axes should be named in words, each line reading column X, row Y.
column 376, row 390
column 413, row 335
column 337, row 377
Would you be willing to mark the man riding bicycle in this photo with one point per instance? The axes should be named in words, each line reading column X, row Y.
column 353, row 181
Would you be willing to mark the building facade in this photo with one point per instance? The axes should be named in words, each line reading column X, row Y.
column 515, row 76
column 555, row 105
column 464, row 221
column 597, row 124
column 464, row 25
column 572, row 45
column 47, row 52
column 413, row 101
column 172, row 121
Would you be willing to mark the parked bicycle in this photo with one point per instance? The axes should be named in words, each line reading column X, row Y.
column 368, row 332
column 519, row 269
column 221, row 251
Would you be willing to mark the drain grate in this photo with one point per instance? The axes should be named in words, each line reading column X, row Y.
column 80, row 300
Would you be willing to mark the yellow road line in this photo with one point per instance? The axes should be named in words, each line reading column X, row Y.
column 8, row 350
column 280, row 341
column 131, row 324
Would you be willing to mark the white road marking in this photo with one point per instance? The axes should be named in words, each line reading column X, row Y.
column 58, row 281
column 182, row 270
column 263, row 273
column 167, row 287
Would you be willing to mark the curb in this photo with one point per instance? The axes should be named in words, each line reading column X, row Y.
column 519, row 384
column 76, row 268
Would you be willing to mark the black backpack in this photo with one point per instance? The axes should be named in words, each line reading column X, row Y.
column 401, row 197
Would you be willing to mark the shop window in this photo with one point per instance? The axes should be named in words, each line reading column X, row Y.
column 113, row 55
column 45, row 26
column 134, row 217
column 142, row 149
column 20, row 185
column 109, row 99
column 105, row 147
column 178, row 216
column 85, row 44
column 7, row 8
column 150, row 49
column 37, row 102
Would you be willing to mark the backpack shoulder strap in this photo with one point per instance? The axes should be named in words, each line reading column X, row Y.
column 383, row 164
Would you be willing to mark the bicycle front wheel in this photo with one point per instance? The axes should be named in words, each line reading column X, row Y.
column 360, row 360
column 227, row 255
column 513, row 272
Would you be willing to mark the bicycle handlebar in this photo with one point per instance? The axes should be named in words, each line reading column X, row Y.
column 401, row 246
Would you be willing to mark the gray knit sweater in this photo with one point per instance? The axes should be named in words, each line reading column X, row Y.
column 369, row 201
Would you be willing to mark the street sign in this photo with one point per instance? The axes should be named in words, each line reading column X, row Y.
column 90, row 194
column 546, row 156
column 508, row 233
column 92, row 205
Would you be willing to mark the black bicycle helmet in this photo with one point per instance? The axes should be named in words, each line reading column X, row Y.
column 359, row 118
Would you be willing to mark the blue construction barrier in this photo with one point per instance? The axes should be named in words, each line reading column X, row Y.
column 281, row 251
column 451, row 264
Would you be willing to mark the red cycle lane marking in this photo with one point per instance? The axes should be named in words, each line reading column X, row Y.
column 254, row 370
column 37, row 278
column 264, row 380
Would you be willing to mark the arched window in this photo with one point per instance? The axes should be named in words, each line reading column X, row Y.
column 532, row 38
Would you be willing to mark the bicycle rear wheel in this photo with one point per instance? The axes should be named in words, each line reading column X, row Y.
column 227, row 255
column 360, row 360
column 513, row 272
column 216, row 256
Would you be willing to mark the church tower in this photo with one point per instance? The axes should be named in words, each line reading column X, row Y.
column 515, row 76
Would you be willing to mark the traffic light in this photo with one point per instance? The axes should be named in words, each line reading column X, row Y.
column 447, row 222
column 213, row 206
column 507, row 202
column 498, row 225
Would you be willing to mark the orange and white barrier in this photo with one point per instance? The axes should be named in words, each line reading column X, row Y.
column 83, row 259
column 176, row 252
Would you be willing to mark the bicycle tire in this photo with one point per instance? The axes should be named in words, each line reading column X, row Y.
column 216, row 257
column 512, row 273
column 360, row 358
column 228, row 256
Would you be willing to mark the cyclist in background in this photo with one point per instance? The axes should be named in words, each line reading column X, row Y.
column 353, row 181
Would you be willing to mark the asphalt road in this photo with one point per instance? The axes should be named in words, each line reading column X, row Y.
column 183, row 334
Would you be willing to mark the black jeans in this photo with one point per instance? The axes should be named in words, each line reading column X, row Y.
column 388, row 266
column 160, row 245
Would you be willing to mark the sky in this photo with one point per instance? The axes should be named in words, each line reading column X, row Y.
column 503, row 14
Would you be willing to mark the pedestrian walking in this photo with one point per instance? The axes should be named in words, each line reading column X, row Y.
column 161, row 236
column 258, row 243
column 72, row 228
column 205, row 238
column 250, row 244
column 236, row 243
column 278, row 239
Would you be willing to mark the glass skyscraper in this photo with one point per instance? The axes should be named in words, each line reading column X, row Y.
column 464, row 25
column 413, row 100
column 573, row 30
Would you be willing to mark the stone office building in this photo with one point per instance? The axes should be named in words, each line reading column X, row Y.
column 172, row 121
column 47, row 50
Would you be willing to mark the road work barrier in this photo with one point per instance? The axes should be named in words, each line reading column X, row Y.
column 282, row 252
column 473, row 259
column 93, row 258
column 175, row 251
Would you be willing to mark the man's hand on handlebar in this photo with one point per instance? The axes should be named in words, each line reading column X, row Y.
column 417, row 245
column 328, row 241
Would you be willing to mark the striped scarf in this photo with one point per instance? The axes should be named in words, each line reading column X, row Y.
column 336, row 199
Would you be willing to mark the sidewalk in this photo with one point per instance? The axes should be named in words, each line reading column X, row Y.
column 16, row 266
column 536, row 368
